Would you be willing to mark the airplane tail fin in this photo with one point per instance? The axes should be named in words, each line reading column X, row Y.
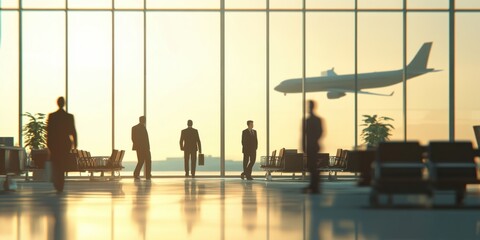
column 329, row 73
column 420, row 60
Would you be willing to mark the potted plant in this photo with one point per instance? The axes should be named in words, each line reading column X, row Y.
column 376, row 130
column 35, row 133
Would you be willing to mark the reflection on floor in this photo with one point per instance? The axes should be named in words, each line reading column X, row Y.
column 207, row 208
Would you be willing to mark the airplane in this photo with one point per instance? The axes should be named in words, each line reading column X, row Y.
column 337, row 86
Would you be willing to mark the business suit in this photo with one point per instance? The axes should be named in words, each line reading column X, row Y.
column 60, row 127
column 249, row 150
column 141, row 144
column 189, row 144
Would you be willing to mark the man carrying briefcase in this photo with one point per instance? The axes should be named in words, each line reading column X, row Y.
column 189, row 144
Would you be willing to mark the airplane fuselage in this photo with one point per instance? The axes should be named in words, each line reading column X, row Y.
column 345, row 82
column 337, row 86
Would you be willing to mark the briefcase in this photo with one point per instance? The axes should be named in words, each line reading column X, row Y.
column 201, row 159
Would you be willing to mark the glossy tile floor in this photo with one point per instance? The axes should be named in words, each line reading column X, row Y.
column 214, row 208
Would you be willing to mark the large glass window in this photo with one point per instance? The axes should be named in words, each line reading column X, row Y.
column 245, row 84
column 129, row 79
column 183, row 82
column 329, row 55
column 9, row 75
column 183, row 70
column 467, row 60
column 427, row 94
column 285, row 63
column 90, row 79
column 380, row 69
column 43, row 60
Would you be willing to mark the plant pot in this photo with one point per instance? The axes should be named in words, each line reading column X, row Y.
column 39, row 157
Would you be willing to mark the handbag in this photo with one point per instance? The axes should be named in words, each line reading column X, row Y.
column 201, row 159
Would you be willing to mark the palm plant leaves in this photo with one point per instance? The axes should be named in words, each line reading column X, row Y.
column 35, row 131
column 376, row 130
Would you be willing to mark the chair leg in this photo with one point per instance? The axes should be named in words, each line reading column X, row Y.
column 268, row 175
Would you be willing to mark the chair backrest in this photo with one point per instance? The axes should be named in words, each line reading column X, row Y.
column 339, row 153
column 337, row 158
column 322, row 160
column 476, row 130
column 113, row 156
column 281, row 157
column 451, row 152
column 343, row 158
column 120, row 158
column 80, row 159
column 272, row 158
column 116, row 160
column 399, row 152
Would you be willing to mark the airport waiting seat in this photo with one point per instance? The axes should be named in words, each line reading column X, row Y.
column 273, row 163
column 82, row 161
column 323, row 160
column 337, row 163
column 398, row 169
column 335, row 159
column 112, row 163
column 452, row 167
column 270, row 160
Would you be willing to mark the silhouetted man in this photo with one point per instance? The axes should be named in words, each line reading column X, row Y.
column 61, row 137
column 249, row 150
column 141, row 144
column 312, row 134
column 189, row 144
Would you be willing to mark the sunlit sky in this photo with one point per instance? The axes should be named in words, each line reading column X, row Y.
column 184, row 69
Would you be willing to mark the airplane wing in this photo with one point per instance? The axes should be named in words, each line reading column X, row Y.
column 338, row 93
column 376, row 94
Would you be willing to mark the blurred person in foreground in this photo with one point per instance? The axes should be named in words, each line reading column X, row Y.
column 313, row 131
